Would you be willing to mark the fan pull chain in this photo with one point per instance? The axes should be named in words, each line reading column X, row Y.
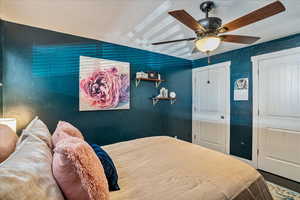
column 208, row 77
column 208, row 57
column 208, row 60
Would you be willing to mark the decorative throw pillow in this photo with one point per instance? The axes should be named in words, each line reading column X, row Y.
column 78, row 171
column 109, row 167
column 8, row 140
column 64, row 130
column 27, row 175
column 37, row 128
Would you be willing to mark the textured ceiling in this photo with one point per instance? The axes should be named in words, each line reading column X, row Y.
column 137, row 23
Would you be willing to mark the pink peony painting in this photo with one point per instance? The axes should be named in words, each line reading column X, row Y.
column 104, row 84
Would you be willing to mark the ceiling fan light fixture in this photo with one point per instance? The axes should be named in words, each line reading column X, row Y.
column 208, row 44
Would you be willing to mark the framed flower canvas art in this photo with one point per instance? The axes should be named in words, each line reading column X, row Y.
column 103, row 84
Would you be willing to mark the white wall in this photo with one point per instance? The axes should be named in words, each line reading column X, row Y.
column 106, row 20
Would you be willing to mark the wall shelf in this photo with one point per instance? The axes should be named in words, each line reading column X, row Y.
column 157, row 81
column 155, row 100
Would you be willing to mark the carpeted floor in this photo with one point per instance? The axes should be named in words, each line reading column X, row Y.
column 281, row 193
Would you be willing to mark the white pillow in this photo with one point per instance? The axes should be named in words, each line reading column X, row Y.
column 27, row 174
column 37, row 128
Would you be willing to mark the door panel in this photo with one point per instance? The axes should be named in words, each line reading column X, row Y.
column 279, row 87
column 280, row 152
column 212, row 135
column 279, row 116
column 209, row 108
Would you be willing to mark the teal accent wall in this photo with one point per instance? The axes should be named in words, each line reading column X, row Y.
column 41, row 77
column 241, row 111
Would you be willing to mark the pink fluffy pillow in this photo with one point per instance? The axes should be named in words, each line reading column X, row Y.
column 64, row 130
column 78, row 171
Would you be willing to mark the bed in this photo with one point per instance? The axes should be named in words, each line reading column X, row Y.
column 164, row 168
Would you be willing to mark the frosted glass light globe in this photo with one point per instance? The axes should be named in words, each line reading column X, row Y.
column 208, row 43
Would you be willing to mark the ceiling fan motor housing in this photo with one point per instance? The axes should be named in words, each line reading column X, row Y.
column 211, row 24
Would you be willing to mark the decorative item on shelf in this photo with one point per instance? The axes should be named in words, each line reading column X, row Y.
column 172, row 95
column 150, row 76
column 164, row 92
column 164, row 95
column 153, row 75
column 141, row 75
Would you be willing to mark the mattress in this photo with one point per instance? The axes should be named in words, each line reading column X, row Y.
column 164, row 168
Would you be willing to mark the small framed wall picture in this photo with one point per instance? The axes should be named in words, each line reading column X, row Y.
column 241, row 89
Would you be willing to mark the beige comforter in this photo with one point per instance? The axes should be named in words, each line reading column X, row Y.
column 163, row 168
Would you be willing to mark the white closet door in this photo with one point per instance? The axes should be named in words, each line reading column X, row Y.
column 279, row 116
column 209, row 108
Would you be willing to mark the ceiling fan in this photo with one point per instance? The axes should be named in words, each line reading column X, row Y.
column 208, row 29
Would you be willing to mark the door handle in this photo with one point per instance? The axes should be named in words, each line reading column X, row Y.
column 222, row 117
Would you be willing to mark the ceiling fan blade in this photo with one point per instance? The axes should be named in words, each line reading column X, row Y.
column 239, row 39
column 171, row 41
column 187, row 20
column 257, row 15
